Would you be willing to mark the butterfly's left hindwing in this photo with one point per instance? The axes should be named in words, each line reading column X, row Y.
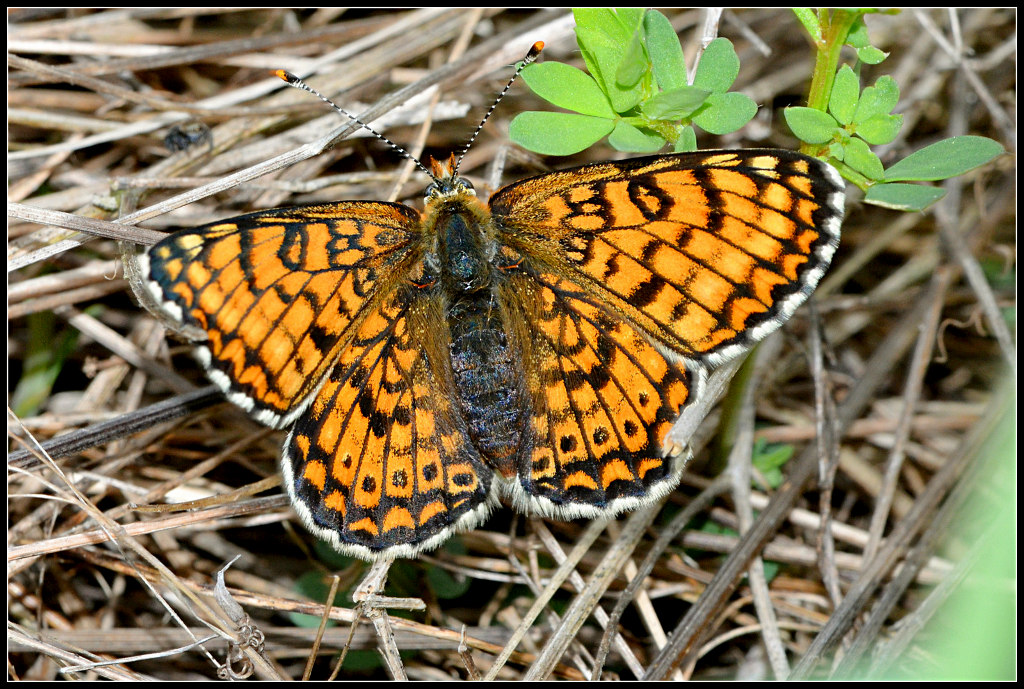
column 603, row 398
column 381, row 464
column 276, row 293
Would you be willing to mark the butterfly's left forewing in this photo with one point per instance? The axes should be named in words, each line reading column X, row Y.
column 276, row 294
column 705, row 252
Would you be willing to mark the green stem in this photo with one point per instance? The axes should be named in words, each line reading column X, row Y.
column 835, row 27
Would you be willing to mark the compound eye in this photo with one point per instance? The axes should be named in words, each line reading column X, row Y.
column 431, row 191
column 465, row 186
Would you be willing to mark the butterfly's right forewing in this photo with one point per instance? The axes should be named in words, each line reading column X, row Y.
column 276, row 294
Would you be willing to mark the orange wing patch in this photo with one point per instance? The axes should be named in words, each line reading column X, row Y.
column 603, row 399
column 704, row 252
column 275, row 293
column 381, row 462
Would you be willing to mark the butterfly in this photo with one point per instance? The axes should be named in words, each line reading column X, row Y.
column 535, row 347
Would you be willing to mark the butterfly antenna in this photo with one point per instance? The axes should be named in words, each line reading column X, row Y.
column 531, row 56
column 293, row 80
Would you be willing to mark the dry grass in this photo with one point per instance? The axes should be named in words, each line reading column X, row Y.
column 838, row 574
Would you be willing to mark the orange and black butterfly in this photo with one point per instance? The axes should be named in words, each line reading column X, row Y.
column 536, row 347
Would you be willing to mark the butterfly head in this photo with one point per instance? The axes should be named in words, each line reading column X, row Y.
column 446, row 182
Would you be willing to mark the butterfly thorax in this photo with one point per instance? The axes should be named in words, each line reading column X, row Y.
column 486, row 373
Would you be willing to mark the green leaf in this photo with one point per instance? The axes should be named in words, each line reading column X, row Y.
column 809, row 19
column 312, row 585
column 771, row 569
column 446, row 585
column 603, row 40
column 631, row 18
column 591, row 21
column 871, row 55
column 567, row 87
column 768, row 460
column 879, row 99
column 718, row 66
column 626, row 137
column 325, row 554
column 687, row 140
column 675, row 104
column 945, row 159
column 810, row 125
column 47, row 350
column 837, row 150
column 845, row 91
column 903, row 197
column 634, row 63
column 858, row 35
column 665, row 51
column 860, row 158
column 725, row 112
column 859, row 40
column 558, row 133
column 880, row 129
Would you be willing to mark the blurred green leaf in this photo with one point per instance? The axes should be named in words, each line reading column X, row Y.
column 446, row 585
column 313, row 585
column 903, row 197
column 45, row 353
column 771, row 570
column 769, row 460
column 944, row 159
column 331, row 558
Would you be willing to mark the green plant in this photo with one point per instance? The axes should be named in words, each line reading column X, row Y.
column 636, row 93
column 638, row 96
column 769, row 460
column 841, row 120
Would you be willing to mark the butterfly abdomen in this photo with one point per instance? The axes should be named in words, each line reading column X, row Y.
column 487, row 379
column 485, row 370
